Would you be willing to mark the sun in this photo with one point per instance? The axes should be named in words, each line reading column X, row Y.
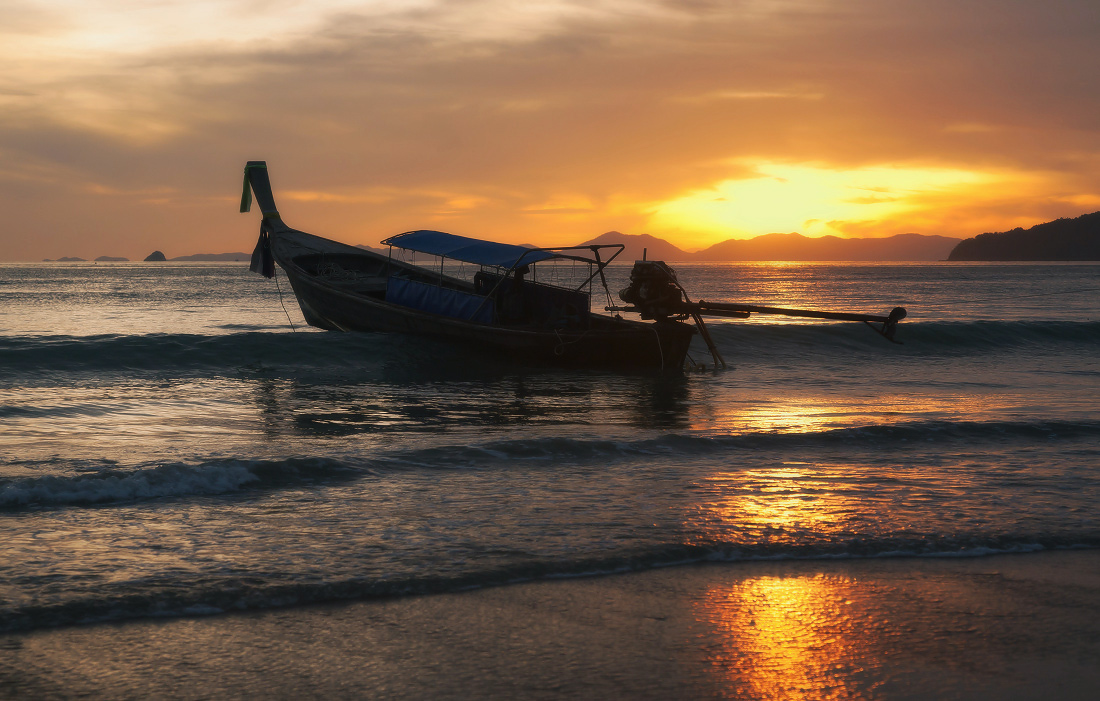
column 812, row 199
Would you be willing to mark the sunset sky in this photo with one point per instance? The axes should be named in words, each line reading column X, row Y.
column 125, row 124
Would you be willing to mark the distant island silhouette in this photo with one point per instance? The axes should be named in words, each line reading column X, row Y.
column 158, row 256
column 101, row 259
column 1061, row 239
column 208, row 257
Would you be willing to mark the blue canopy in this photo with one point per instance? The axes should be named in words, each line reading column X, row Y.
column 467, row 250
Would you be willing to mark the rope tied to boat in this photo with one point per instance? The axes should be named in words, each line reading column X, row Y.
column 281, row 303
column 562, row 343
column 660, row 349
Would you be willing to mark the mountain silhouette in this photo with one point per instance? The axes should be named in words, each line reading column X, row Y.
column 794, row 247
column 1061, row 239
column 654, row 248
column 787, row 247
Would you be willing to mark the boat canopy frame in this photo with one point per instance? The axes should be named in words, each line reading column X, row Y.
column 502, row 255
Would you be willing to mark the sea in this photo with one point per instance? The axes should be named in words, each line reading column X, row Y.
column 175, row 441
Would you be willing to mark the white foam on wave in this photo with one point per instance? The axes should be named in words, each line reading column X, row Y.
column 113, row 485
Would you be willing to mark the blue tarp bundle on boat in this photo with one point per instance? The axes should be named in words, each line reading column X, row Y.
column 467, row 250
column 439, row 300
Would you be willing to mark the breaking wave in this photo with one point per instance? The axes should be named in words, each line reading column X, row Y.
column 252, row 350
column 112, row 484
column 238, row 351
column 211, row 595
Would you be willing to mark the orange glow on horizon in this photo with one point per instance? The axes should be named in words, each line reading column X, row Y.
column 822, row 200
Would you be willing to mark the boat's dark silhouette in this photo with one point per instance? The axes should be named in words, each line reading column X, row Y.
column 504, row 309
column 346, row 288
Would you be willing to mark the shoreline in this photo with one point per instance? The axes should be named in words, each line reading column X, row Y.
column 998, row 626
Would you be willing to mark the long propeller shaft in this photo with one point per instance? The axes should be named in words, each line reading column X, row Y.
column 720, row 308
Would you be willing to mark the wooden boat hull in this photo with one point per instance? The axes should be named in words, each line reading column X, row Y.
column 616, row 344
column 608, row 342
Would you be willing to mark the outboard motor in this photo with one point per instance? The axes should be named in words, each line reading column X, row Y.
column 655, row 293
column 653, row 290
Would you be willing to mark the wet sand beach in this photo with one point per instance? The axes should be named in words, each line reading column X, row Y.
column 999, row 627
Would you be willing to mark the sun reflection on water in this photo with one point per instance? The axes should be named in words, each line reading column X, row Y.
column 780, row 416
column 766, row 415
column 788, row 637
column 796, row 503
column 813, row 413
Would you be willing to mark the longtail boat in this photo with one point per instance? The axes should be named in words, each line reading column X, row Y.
column 505, row 307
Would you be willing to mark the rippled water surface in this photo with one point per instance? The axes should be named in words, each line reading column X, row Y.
column 171, row 445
